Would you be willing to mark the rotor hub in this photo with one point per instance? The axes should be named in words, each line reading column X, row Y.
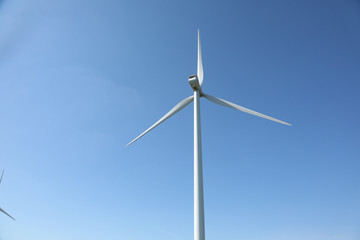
column 194, row 83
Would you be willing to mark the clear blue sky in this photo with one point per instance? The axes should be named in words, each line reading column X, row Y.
column 80, row 79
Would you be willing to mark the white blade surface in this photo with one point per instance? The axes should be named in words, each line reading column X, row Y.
column 200, row 70
column 174, row 110
column 1, row 210
column 237, row 107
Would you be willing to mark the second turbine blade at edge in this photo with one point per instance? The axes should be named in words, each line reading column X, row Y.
column 2, row 210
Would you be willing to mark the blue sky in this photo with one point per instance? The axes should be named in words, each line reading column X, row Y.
column 80, row 79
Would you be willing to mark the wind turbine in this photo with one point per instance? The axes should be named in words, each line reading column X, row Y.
column 2, row 210
column 195, row 82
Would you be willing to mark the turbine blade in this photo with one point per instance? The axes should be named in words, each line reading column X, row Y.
column 2, row 210
column 200, row 70
column 237, row 107
column 174, row 110
column 2, row 174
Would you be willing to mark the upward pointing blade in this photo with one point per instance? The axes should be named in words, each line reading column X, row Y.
column 240, row 108
column 175, row 109
column 200, row 70
column 1, row 210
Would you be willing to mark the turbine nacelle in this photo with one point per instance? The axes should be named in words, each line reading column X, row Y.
column 195, row 84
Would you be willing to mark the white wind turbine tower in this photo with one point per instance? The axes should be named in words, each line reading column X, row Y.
column 2, row 210
column 195, row 82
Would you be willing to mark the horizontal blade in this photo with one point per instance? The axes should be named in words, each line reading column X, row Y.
column 200, row 70
column 1, row 210
column 175, row 109
column 2, row 174
column 237, row 107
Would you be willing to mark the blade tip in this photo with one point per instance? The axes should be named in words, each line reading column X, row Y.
column 285, row 123
column 130, row 142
